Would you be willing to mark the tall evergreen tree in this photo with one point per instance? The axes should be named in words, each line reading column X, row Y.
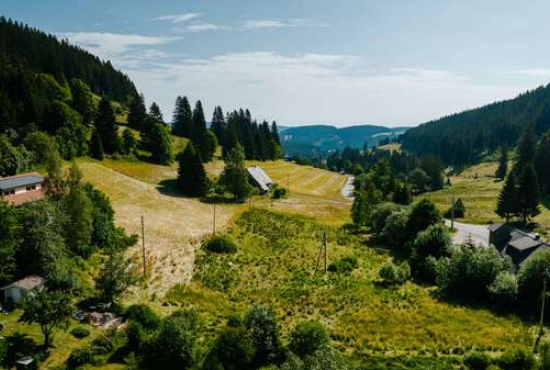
column 502, row 169
column 79, row 226
column 542, row 163
column 192, row 179
column 199, row 135
column 218, row 125
column 527, row 146
column 155, row 113
column 106, row 128
column 529, row 193
column 275, row 133
column 182, row 120
column 508, row 199
column 231, row 139
column 96, row 146
column 137, row 116
column 82, row 100
column 235, row 176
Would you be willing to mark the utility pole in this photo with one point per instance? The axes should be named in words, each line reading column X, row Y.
column 214, row 225
column 325, row 248
column 546, row 275
column 453, row 212
column 288, row 182
column 144, row 256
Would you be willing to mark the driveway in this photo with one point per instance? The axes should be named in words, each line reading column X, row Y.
column 347, row 190
column 479, row 234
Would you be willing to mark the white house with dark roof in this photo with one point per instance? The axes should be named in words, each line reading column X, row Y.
column 16, row 291
column 260, row 178
column 21, row 189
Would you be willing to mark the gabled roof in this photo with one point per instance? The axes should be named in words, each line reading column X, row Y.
column 260, row 177
column 28, row 283
column 495, row 227
column 18, row 181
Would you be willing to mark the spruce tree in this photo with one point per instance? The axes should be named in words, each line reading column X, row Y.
column 96, row 146
column 529, row 193
column 503, row 163
column 231, row 139
column 542, row 163
column 218, row 125
column 275, row 133
column 79, row 225
column 137, row 116
column 508, row 199
column 192, row 179
column 235, row 175
column 199, row 135
column 182, row 119
column 160, row 144
column 155, row 113
column 526, row 149
column 106, row 128
column 82, row 100
column 129, row 143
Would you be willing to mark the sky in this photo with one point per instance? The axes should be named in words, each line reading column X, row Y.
column 304, row 62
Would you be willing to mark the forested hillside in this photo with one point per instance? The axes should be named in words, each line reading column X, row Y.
column 462, row 138
column 42, row 53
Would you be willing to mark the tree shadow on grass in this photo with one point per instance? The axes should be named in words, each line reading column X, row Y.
column 170, row 188
column 20, row 345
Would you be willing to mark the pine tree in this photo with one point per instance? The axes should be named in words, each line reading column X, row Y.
column 508, row 199
column 218, row 125
column 106, row 128
column 129, row 143
column 82, row 100
column 159, row 142
column 503, row 163
column 275, row 133
column 235, row 175
column 79, row 211
column 192, row 179
column 542, row 163
column 529, row 193
column 96, row 146
column 231, row 139
column 182, row 120
column 155, row 113
column 137, row 116
column 526, row 149
column 199, row 135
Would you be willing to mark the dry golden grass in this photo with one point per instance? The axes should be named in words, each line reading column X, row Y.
column 173, row 225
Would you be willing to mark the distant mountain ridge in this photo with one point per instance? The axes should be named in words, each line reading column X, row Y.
column 308, row 141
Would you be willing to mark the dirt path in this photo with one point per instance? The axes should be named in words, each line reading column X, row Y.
column 479, row 234
column 173, row 226
column 347, row 190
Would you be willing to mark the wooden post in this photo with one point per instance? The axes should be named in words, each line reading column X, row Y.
column 214, row 225
column 249, row 204
column 541, row 328
column 453, row 212
column 288, row 182
column 144, row 256
column 325, row 247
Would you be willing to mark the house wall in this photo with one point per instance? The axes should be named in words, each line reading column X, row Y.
column 12, row 294
column 22, row 190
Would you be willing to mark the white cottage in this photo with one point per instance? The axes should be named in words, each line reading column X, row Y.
column 15, row 291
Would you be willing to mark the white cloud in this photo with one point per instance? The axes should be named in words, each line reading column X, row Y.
column 178, row 18
column 534, row 72
column 317, row 88
column 201, row 27
column 269, row 24
column 114, row 45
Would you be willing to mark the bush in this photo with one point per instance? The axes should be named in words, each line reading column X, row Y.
column 434, row 241
column 220, row 244
column 261, row 327
column 135, row 336
column 278, row 192
column 144, row 315
column 102, row 345
column 477, row 361
column 80, row 332
column 307, row 338
column 394, row 234
column 232, row 350
column 344, row 265
column 530, row 278
column 379, row 215
column 423, row 215
column 80, row 357
column 504, row 289
column 470, row 270
column 395, row 274
column 517, row 359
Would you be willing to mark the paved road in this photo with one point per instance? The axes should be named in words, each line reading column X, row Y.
column 478, row 233
column 347, row 190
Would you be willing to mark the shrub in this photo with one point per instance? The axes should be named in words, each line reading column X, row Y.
column 395, row 274
column 135, row 336
column 344, row 265
column 470, row 270
column 517, row 359
column 504, row 289
column 220, row 244
column 477, row 361
column 423, row 215
column 79, row 357
column 102, row 345
column 278, row 192
column 530, row 278
column 143, row 315
column 379, row 215
column 459, row 209
column 307, row 338
column 394, row 234
column 232, row 350
column 434, row 241
column 80, row 332
column 544, row 363
column 261, row 327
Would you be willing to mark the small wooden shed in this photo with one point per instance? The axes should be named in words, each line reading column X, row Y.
column 15, row 291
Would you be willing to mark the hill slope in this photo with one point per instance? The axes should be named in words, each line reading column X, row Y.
column 463, row 137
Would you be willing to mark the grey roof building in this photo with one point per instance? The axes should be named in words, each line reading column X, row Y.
column 517, row 244
column 260, row 178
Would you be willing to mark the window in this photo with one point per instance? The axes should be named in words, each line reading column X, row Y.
column 31, row 188
column 7, row 193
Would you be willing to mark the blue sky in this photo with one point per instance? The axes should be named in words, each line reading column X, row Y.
column 301, row 62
